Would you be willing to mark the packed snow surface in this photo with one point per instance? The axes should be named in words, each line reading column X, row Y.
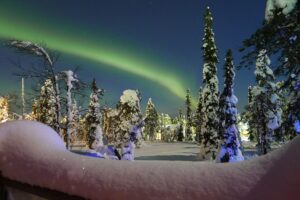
column 33, row 153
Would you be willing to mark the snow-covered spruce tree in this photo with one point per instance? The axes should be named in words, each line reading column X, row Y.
column 120, row 121
column 265, row 106
column 3, row 109
column 279, row 35
column 93, row 118
column 70, row 77
column 180, row 135
column 47, row 102
column 35, row 110
column 289, row 97
column 75, row 123
column 151, row 122
column 199, row 117
column 229, row 135
column 188, row 129
column 249, row 118
column 210, row 92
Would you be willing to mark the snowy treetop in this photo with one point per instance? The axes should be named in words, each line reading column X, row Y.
column 130, row 97
column 287, row 5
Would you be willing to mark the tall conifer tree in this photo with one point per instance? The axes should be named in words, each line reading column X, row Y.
column 229, row 134
column 210, row 93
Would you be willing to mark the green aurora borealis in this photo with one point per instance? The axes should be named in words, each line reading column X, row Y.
column 109, row 54
column 150, row 45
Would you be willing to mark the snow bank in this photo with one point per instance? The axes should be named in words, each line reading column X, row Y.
column 33, row 153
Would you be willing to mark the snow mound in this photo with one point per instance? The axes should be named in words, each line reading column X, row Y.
column 33, row 153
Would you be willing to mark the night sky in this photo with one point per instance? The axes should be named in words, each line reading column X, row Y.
column 153, row 46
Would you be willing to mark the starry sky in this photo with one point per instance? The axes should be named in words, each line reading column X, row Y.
column 150, row 45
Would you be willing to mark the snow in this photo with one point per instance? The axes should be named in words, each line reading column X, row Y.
column 129, row 97
column 26, row 157
column 274, row 120
column 297, row 126
column 232, row 99
column 288, row 6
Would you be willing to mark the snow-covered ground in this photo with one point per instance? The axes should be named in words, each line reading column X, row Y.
column 167, row 151
column 33, row 153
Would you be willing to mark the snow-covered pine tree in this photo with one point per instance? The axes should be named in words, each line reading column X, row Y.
column 210, row 93
column 118, row 122
column 280, row 33
column 290, row 114
column 3, row 109
column 199, row 117
column 229, row 135
column 129, row 115
column 93, row 118
column 35, row 110
column 47, row 102
column 249, row 118
column 188, row 129
column 180, row 135
column 75, row 123
column 70, row 77
column 265, row 106
column 151, row 122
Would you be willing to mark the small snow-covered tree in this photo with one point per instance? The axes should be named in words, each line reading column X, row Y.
column 265, row 106
column 249, row 118
column 188, row 129
column 70, row 77
column 210, row 93
column 151, row 122
column 199, row 117
column 229, row 134
column 180, row 135
column 47, row 102
column 3, row 109
column 75, row 123
column 129, row 113
column 35, row 110
column 119, row 122
column 93, row 118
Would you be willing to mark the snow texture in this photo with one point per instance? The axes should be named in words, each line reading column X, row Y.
column 130, row 97
column 297, row 126
column 26, row 158
column 288, row 6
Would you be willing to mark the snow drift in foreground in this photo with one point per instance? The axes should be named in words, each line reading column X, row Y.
column 33, row 153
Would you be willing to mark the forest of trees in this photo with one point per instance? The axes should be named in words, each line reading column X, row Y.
column 272, row 113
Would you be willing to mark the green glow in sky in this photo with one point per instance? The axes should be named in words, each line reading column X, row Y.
column 111, row 56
